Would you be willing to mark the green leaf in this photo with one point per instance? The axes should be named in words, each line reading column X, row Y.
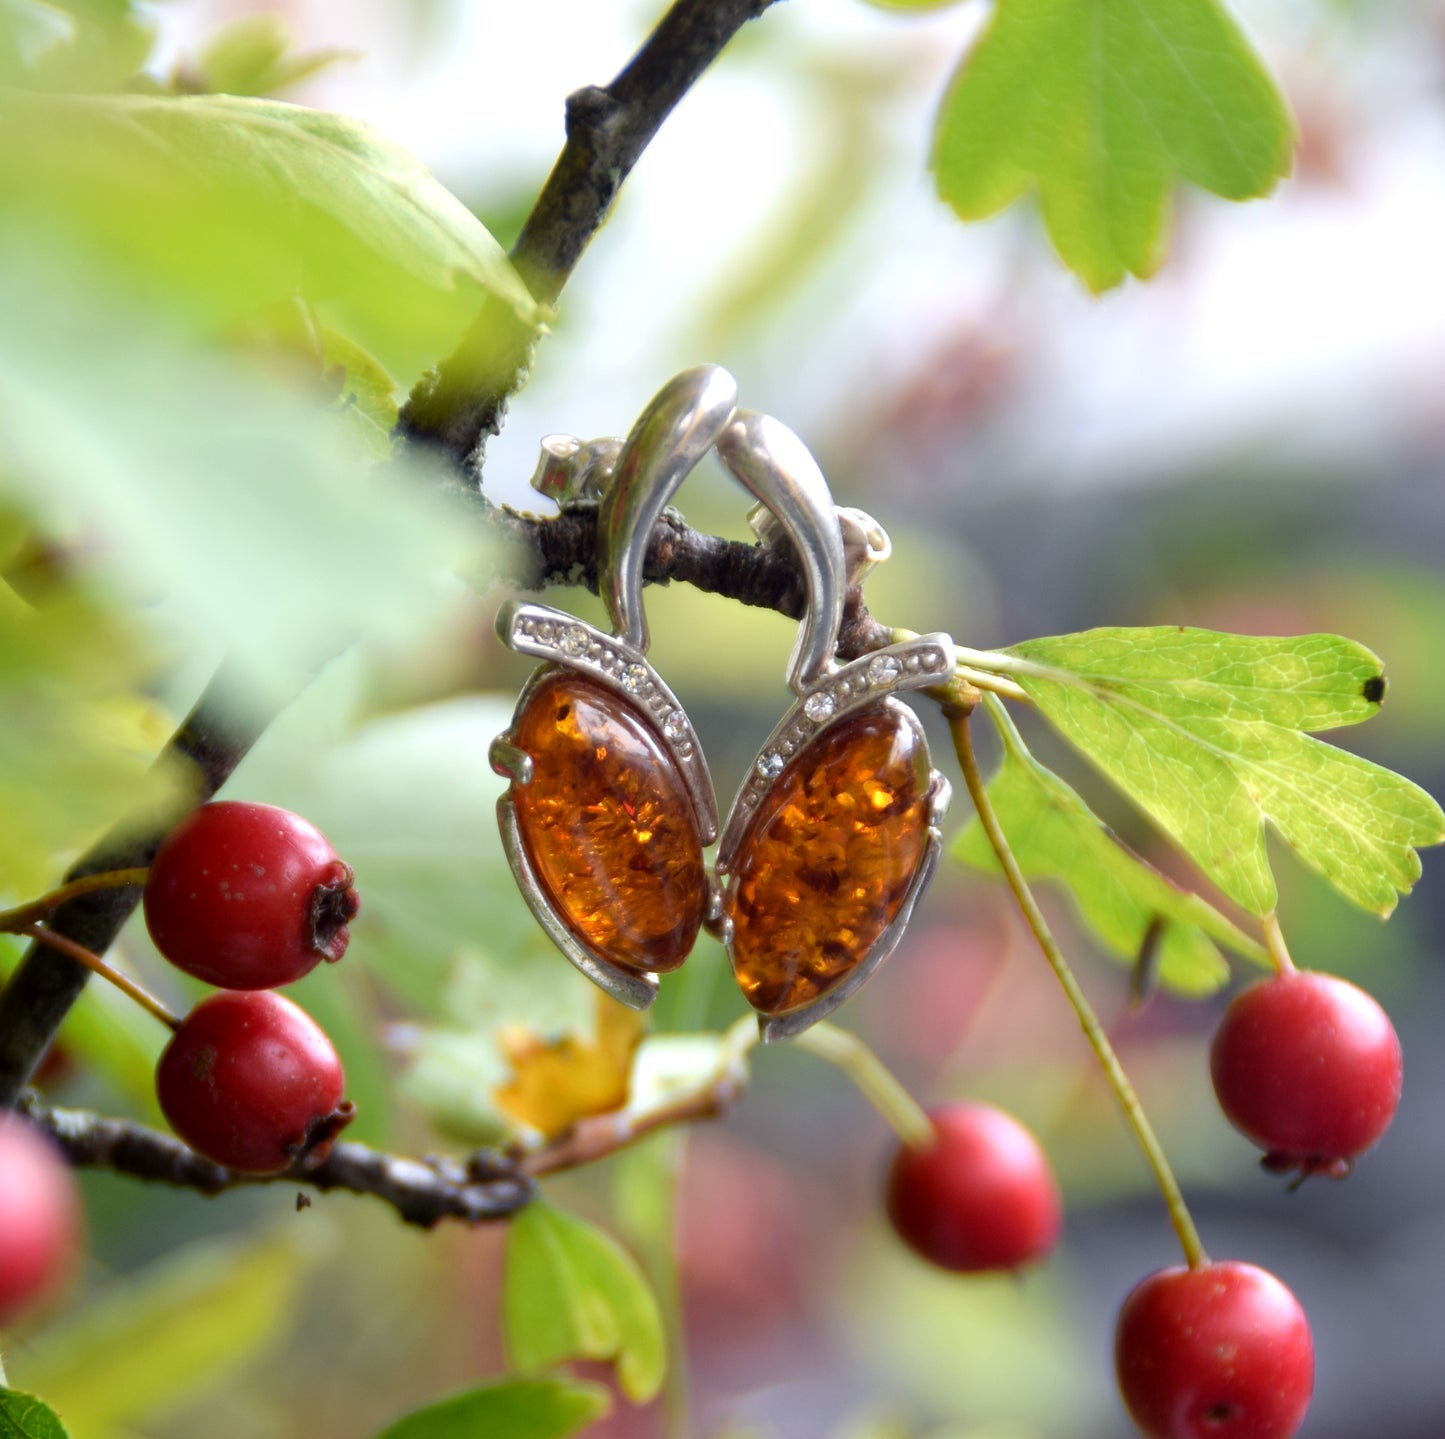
column 75, row 745
column 250, row 56
column 1100, row 105
column 573, row 1292
column 1209, row 734
column 220, row 207
column 22, row 1416
column 510, row 1409
column 237, row 501
column 163, row 1335
column 1120, row 897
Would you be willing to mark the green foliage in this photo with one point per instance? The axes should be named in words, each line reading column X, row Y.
column 512, row 1409
column 1209, row 734
column 573, row 1292
column 75, row 744
column 1055, row 835
column 222, row 209
column 251, row 56
column 22, row 1416
column 163, row 1335
column 1099, row 106
column 237, row 500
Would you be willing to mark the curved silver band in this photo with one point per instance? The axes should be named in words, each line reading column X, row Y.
column 776, row 467
column 679, row 426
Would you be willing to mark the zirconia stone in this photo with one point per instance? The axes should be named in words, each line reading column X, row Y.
column 820, row 707
column 574, row 641
column 883, row 670
column 829, row 858
column 608, row 825
column 634, row 679
column 770, row 765
column 674, row 727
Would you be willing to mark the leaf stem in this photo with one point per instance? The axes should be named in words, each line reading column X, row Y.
column 14, row 921
column 1138, row 1121
column 875, row 1081
column 1274, row 942
column 97, row 965
column 996, row 684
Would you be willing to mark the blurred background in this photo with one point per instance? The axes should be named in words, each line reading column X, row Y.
column 1253, row 441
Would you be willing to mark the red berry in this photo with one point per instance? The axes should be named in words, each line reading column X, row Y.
column 39, row 1218
column 248, row 896
column 982, row 1197
column 1309, row 1068
column 251, row 1081
column 1219, row 1352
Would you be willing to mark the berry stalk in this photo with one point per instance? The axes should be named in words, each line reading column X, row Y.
column 874, row 1081
column 97, row 965
column 1138, row 1121
column 14, row 921
column 1274, row 942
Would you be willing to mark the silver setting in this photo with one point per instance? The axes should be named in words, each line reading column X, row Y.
column 926, row 661
column 551, row 634
column 506, row 759
column 774, row 465
column 635, row 479
column 626, row 986
column 785, row 1026
column 671, row 435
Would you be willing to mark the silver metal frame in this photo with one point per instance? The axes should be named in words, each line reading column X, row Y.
column 693, row 413
column 637, row 479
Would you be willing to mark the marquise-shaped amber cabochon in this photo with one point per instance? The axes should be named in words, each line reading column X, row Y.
column 608, row 825
column 829, row 858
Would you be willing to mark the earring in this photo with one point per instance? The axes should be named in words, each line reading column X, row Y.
column 610, row 803
column 834, row 833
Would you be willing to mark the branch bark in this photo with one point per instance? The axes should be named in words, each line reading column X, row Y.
column 455, row 407
column 422, row 1191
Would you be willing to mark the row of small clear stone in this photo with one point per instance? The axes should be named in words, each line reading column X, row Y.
column 882, row 673
column 577, row 644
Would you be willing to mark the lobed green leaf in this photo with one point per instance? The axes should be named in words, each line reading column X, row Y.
column 509, row 1409
column 1209, row 734
column 1120, row 897
column 573, row 1292
column 1100, row 107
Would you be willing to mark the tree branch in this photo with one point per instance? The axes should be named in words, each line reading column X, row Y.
column 214, row 738
column 538, row 554
column 457, row 405
column 423, row 1192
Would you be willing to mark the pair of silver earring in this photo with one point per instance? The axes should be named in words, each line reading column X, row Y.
column 834, row 833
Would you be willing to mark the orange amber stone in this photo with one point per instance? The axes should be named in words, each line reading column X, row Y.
column 829, row 858
column 608, row 825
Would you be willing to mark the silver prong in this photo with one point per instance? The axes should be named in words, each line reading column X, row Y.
column 940, row 796
column 506, row 759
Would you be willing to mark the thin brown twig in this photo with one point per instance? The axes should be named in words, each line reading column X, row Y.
column 456, row 406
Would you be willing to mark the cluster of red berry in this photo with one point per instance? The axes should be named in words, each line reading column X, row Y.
column 1309, row 1068
column 247, row 897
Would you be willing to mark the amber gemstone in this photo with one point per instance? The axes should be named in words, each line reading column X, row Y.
column 608, row 825
column 829, row 858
